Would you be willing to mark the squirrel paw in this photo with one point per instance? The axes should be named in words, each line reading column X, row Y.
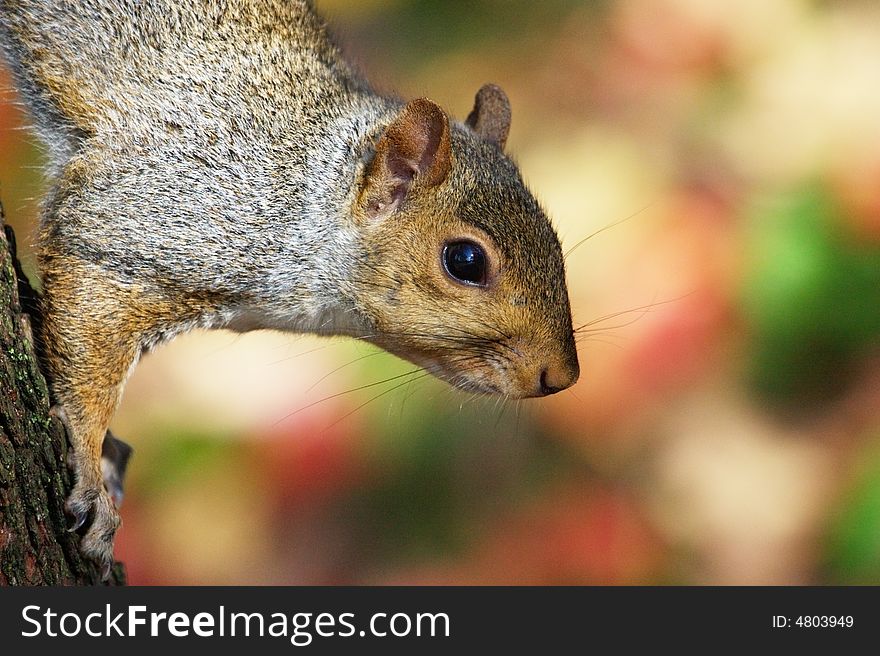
column 115, row 455
column 92, row 503
column 114, row 459
column 96, row 504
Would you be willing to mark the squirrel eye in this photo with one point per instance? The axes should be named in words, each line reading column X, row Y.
column 465, row 261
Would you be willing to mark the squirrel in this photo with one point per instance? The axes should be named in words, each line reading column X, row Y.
column 219, row 164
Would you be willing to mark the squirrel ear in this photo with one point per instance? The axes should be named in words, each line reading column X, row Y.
column 414, row 149
column 490, row 117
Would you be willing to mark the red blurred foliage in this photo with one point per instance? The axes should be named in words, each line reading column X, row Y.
column 678, row 347
column 858, row 188
column 675, row 341
column 133, row 547
column 661, row 37
column 579, row 535
column 306, row 464
column 696, row 247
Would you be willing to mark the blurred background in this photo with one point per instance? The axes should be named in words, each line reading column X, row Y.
column 714, row 168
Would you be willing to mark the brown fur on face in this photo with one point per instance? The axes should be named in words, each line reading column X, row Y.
column 512, row 336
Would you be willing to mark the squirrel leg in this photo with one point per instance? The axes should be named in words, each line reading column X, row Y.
column 115, row 455
column 91, row 344
column 92, row 503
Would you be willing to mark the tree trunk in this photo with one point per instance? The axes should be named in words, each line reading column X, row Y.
column 35, row 545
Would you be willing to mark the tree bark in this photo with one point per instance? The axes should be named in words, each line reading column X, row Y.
column 35, row 546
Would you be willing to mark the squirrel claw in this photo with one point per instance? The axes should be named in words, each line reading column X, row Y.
column 97, row 541
column 60, row 413
column 79, row 519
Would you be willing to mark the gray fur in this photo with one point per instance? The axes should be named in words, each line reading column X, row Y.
column 202, row 178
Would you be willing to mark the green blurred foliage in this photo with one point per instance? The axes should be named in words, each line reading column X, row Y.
column 853, row 543
column 445, row 476
column 812, row 299
column 176, row 457
column 450, row 25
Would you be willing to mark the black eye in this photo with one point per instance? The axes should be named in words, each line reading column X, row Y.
column 466, row 262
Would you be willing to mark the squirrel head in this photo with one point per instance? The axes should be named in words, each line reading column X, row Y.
column 461, row 271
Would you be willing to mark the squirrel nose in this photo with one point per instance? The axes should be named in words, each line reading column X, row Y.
column 555, row 378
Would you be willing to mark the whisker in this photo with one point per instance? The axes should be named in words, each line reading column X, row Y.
column 297, row 355
column 590, row 338
column 377, row 396
column 644, row 309
column 600, row 332
column 500, row 406
column 518, row 407
column 349, row 391
column 579, row 399
column 340, row 368
column 607, row 227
